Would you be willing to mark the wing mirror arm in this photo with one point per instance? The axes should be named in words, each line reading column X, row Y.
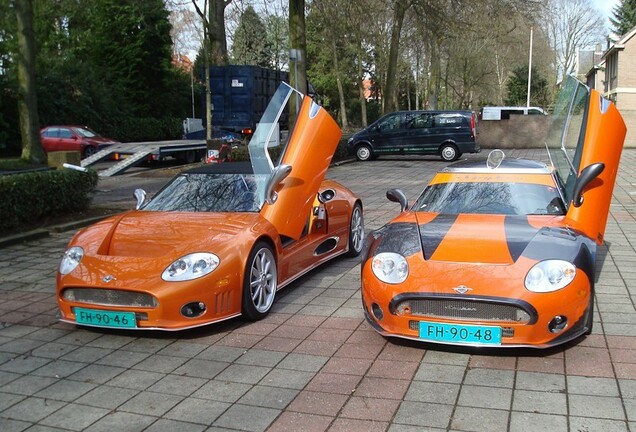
column 588, row 174
column 280, row 173
column 396, row 195
column 140, row 195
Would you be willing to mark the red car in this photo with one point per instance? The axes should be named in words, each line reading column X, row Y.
column 73, row 138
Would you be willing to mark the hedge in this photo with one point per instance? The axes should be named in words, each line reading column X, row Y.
column 31, row 196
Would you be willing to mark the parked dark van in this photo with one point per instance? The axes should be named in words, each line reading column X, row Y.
column 444, row 133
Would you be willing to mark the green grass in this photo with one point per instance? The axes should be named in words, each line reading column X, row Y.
column 17, row 164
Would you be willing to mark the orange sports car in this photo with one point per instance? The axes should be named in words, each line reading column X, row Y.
column 217, row 241
column 501, row 252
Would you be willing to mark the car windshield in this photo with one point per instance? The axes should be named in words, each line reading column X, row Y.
column 207, row 192
column 490, row 198
column 85, row 133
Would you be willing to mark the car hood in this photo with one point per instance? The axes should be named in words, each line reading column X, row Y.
column 158, row 234
column 489, row 239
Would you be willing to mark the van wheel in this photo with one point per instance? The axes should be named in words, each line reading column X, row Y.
column 363, row 153
column 449, row 152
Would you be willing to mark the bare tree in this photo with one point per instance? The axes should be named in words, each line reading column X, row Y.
column 298, row 46
column 27, row 97
column 571, row 25
column 390, row 87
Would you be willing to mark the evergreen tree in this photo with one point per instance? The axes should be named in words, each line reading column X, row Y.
column 251, row 46
column 517, row 87
column 624, row 17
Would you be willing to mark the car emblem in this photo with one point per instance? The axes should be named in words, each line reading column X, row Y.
column 108, row 278
column 462, row 289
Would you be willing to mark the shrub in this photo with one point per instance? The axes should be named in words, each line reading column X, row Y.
column 31, row 196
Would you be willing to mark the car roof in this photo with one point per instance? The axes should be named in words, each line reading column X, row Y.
column 507, row 166
column 223, row 168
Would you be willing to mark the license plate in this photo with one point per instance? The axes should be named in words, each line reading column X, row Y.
column 460, row 333
column 100, row 318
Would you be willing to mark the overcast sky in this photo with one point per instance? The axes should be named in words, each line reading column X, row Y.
column 605, row 6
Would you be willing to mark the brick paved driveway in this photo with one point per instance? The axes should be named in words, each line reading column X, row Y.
column 314, row 364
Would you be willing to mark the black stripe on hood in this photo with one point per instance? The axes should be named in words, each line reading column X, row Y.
column 433, row 233
column 519, row 233
column 401, row 237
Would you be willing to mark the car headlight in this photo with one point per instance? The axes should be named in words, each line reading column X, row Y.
column 190, row 267
column 550, row 275
column 350, row 140
column 71, row 259
column 390, row 267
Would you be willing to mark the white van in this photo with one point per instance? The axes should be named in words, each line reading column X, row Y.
column 504, row 112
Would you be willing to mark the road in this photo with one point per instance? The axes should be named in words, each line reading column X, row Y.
column 313, row 364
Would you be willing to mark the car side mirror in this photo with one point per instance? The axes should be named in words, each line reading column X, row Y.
column 588, row 174
column 140, row 195
column 396, row 195
column 280, row 173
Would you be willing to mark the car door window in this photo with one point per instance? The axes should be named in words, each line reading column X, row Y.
column 418, row 120
column 51, row 133
column 566, row 134
column 445, row 120
column 389, row 123
column 65, row 133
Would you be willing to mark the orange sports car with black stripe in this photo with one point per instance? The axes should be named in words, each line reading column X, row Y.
column 218, row 241
column 501, row 252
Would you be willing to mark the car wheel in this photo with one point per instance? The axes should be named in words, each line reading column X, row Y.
column 449, row 152
column 356, row 231
column 260, row 282
column 363, row 153
column 89, row 151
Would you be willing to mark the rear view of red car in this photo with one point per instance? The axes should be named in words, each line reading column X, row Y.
column 73, row 138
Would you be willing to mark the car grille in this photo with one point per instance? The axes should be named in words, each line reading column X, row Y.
column 463, row 310
column 109, row 297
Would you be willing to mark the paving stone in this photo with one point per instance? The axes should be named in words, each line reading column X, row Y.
column 268, row 397
column 539, row 381
column 259, row 357
column 164, row 425
column 592, row 386
column 32, row 409
column 246, row 374
column 490, row 377
column 201, row 368
column 440, row 373
column 107, row 397
column 247, row 418
column 221, row 353
column 65, row 390
column 592, row 424
column 303, row 362
column 7, row 400
column 199, row 411
column 540, row 402
column 28, row 385
column 161, row 363
column 441, row 393
column 479, row 419
column 424, row 414
column 287, row 378
column 177, row 385
column 223, row 391
column 136, row 380
column 150, row 403
column 596, row 406
column 8, row 425
column 523, row 421
column 59, row 369
column 96, row 374
column 75, row 417
column 485, row 397
column 122, row 421
column 295, row 421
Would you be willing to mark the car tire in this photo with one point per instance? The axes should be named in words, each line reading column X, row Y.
column 89, row 151
column 259, row 282
column 356, row 231
column 364, row 153
column 449, row 153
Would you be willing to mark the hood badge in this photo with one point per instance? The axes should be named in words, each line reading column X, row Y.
column 462, row 289
column 108, row 278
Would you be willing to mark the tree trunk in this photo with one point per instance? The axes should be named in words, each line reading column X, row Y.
column 27, row 96
column 297, row 53
column 363, row 100
column 390, row 90
column 343, row 105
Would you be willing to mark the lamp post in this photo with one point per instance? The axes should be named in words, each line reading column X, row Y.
column 529, row 69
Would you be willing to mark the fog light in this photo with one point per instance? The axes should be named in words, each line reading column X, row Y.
column 377, row 311
column 558, row 324
column 193, row 310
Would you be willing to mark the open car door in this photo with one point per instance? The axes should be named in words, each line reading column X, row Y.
column 585, row 142
column 287, row 190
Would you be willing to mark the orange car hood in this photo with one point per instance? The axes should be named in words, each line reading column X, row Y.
column 156, row 234
column 488, row 239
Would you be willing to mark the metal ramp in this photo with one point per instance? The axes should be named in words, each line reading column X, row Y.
column 102, row 154
column 123, row 165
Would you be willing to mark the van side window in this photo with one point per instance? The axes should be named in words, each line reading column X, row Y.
column 419, row 120
column 390, row 123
